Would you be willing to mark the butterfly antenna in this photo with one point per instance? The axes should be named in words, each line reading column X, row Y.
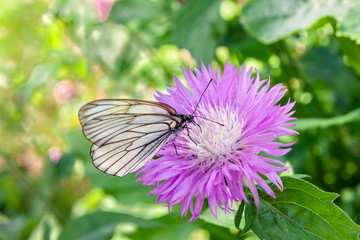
column 210, row 120
column 202, row 95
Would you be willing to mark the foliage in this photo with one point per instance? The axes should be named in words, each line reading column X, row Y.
column 57, row 55
column 301, row 211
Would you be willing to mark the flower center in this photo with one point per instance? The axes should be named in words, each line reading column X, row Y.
column 215, row 142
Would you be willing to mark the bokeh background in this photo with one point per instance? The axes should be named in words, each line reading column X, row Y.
column 56, row 56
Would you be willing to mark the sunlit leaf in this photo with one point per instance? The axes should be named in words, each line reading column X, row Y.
column 48, row 228
column 349, row 26
column 310, row 123
column 198, row 28
column 126, row 190
column 351, row 50
column 79, row 14
column 39, row 76
column 271, row 20
column 4, row 219
column 100, row 225
column 223, row 219
column 106, row 43
column 125, row 11
column 175, row 230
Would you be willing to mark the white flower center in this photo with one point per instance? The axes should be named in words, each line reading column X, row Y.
column 215, row 142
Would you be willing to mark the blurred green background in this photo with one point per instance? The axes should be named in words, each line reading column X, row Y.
column 56, row 56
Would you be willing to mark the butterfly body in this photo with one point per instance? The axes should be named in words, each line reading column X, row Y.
column 127, row 133
column 184, row 119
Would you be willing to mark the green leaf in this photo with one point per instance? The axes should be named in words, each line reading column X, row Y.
column 18, row 227
column 301, row 211
column 325, row 65
column 64, row 168
column 4, row 219
column 349, row 26
column 106, row 43
column 79, row 145
column 170, row 224
column 238, row 215
column 351, row 50
column 124, row 11
column 78, row 14
column 220, row 233
column 223, row 219
column 197, row 27
column 271, row 20
column 125, row 190
column 48, row 228
column 39, row 76
column 100, row 225
column 310, row 123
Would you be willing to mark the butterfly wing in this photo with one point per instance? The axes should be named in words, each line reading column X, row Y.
column 126, row 133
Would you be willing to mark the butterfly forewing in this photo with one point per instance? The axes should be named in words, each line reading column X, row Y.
column 105, row 107
column 126, row 133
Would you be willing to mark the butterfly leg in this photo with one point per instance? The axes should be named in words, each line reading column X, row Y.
column 187, row 128
column 173, row 141
column 195, row 123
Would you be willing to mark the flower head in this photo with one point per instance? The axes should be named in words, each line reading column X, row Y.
column 215, row 160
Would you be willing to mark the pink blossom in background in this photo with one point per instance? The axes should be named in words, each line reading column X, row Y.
column 64, row 91
column 55, row 154
column 219, row 161
column 103, row 9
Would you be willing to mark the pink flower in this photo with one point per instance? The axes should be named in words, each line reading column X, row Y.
column 219, row 161
column 103, row 9
column 55, row 154
column 64, row 91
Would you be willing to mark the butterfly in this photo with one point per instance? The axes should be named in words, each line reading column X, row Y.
column 127, row 133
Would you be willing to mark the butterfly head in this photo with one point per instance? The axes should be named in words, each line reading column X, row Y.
column 188, row 118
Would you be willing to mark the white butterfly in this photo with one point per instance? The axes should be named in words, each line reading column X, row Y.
column 127, row 133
